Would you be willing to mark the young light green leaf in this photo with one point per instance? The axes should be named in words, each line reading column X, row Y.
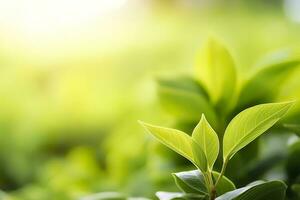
column 199, row 158
column 208, row 140
column 260, row 87
column 215, row 69
column 249, row 124
column 185, row 99
column 176, row 140
column 259, row 191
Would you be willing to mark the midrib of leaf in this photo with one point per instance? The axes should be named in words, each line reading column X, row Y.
column 259, row 124
column 175, row 148
column 188, row 154
column 203, row 129
column 205, row 144
column 258, row 194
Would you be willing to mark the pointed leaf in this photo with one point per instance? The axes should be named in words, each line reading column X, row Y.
column 249, row 124
column 274, row 190
column 260, row 87
column 208, row 140
column 185, row 99
column 193, row 182
column 176, row 140
column 199, row 157
column 179, row 142
column 215, row 69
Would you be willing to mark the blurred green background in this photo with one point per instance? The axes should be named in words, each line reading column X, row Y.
column 75, row 76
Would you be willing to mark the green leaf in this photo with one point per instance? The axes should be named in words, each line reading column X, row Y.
column 176, row 140
column 292, row 163
column 199, row 157
column 224, row 185
column 249, row 124
column 215, row 69
column 190, row 182
column 260, row 87
column 208, row 140
column 296, row 189
column 185, row 99
column 274, row 190
column 295, row 128
column 179, row 142
column 179, row 196
column 193, row 182
column 184, row 83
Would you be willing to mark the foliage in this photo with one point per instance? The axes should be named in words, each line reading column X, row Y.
column 241, row 131
column 50, row 108
column 215, row 69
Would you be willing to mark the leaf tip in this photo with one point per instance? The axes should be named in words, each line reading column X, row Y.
column 143, row 124
column 289, row 104
column 203, row 119
column 202, row 116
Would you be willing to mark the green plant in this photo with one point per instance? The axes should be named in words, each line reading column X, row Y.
column 202, row 149
column 218, row 90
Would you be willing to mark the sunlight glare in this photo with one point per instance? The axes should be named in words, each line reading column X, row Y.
column 47, row 17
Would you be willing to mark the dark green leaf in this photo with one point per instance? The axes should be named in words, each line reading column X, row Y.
column 260, row 87
column 185, row 100
column 293, row 161
column 274, row 190
column 193, row 181
column 296, row 189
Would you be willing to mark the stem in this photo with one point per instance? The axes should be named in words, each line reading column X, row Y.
column 207, row 182
column 210, row 178
column 222, row 171
column 212, row 188
column 213, row 193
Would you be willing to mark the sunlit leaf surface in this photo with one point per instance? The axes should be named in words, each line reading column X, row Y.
column 215, row 69
column 251, row 123
column 208, row 140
